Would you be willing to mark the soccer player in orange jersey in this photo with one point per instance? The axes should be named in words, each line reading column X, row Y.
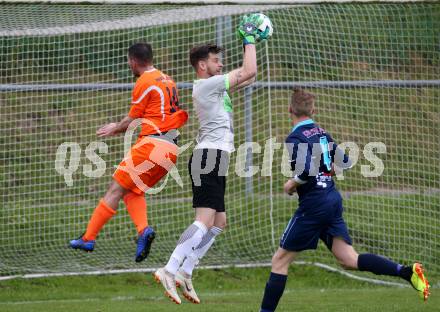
column 155, row 102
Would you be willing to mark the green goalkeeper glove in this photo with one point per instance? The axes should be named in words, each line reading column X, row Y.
column 248, row 28
column 264, row 35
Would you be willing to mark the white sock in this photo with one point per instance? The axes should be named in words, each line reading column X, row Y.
column 188, row 241
column 193, row 259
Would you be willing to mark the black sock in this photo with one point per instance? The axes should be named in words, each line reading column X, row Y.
column 406, row 272
column 378, row 265
column 273, row 292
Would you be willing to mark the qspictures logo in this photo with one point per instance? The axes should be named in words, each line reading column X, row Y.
column 68, row 159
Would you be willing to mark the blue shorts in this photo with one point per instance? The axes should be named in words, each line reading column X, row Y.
column 316, row 220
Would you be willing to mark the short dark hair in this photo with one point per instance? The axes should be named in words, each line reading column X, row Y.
column 201, row 52
column 302, row 103
column 141, row 52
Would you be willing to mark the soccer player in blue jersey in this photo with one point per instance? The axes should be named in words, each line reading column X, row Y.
column 319, row 215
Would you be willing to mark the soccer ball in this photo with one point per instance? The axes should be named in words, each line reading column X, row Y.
column 265, row 29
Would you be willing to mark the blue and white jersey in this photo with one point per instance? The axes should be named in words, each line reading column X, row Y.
column 312, row 154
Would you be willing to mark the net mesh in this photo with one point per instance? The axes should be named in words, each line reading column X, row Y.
column 396, row 214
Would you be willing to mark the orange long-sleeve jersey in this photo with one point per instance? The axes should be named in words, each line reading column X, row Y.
column 155, row 99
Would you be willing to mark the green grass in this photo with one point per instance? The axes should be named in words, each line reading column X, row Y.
column 404, row 227
column 308, row 289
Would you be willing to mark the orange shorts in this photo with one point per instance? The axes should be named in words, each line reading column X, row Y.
column 145, row 164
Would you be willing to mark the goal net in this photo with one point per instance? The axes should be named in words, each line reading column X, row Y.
column 64, row 73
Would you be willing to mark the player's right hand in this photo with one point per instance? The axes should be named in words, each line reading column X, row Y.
column 247, row 28
column 107, row 130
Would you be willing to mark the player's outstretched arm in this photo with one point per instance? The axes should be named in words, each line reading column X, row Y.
column 248, row 32
column 243, row 84
column 252, row 28
column 114, row 127
column 248, row 71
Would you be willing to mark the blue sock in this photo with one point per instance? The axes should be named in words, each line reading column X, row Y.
column 273, row 292
column 378, row 265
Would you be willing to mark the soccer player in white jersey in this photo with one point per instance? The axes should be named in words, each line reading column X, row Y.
column 210, row 159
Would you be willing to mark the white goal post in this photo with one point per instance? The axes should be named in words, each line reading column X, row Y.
column 63, row 72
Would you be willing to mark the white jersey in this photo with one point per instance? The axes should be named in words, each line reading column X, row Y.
column 214, row 111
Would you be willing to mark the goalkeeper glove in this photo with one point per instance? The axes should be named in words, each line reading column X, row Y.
column 263, row 35
column 248, row 28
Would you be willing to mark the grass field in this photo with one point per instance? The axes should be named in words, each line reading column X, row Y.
column 371, row 219
column 308, row 289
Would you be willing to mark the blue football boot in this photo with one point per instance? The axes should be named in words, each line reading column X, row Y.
column 144, row 244
column 79, row 243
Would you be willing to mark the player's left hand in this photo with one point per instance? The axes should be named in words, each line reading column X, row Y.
column 247, row 28
column 290, row 187
column 107, row 130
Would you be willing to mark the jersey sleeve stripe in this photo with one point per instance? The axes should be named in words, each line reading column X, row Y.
column 226, row 82
column 162, row 98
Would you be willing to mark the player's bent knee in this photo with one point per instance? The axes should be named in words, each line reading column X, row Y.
column 280, row 265
column 116, row 189
column 277, row 265
column 208, row 223
column 114, row 194
column 220, row 220
column 281, row 261
column 221, row 225
column 277, row 261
